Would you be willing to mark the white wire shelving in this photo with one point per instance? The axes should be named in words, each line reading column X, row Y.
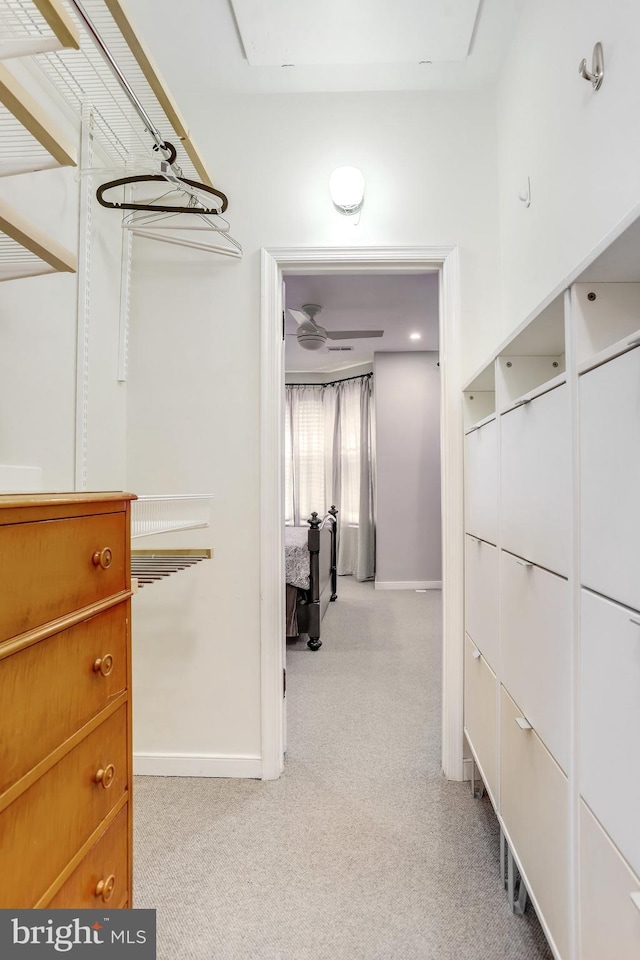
column 151, row 515
column 55, row 45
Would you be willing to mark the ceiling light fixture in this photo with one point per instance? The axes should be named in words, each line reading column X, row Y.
column 415, row 336
column 346, row 186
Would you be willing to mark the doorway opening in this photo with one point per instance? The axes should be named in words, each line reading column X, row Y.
column 340, row 262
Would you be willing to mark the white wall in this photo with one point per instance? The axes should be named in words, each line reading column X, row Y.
column 408, row 519
column 581, row 148
column 430, row 167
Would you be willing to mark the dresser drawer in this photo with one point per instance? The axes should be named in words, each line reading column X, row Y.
column 50, row 689
column 47, row 824
column 480, row 710
column 53, row 567
column 102, row 879
column 610, row 920
column 536, row 480
column 481, row 597
column 535, row 649
column 610, row 719
column 481, row 482
column 609, row 471
column 534, row 803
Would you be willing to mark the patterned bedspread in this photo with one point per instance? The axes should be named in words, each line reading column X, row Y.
column 296, row 557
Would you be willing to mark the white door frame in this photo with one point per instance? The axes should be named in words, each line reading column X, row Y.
column 310, row 260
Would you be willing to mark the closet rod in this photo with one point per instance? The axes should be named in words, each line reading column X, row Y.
column 120, row 77
column 331, row 383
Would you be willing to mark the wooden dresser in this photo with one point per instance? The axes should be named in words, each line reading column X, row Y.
column 65, row 700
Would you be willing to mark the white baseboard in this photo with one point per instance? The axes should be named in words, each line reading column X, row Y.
column 195, row 765
column 408, row 585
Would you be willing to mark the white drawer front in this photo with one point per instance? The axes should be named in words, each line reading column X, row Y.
column 609, row 920
column 481, row 482
column 536, row 649
column 536, row 480
column 481, row 597
column 534, row 802
column 609, row 475
column 480, row 710
column 610, row 720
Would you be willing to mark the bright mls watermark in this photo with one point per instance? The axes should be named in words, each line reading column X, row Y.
column 78, row 934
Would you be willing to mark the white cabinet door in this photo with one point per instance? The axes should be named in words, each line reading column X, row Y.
column 536, row 480
column 480, row 712
column 610, row 478
column 481, row 482
column 535, row 652
column 610, row 720
column 534, row 802
column 481, row 597
column 609, row 918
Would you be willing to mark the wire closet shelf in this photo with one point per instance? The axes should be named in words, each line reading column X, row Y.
column 151, row 515
column 82, row 76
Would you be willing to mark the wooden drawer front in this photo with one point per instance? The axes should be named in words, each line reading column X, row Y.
column 481, row 482
column 480, row 713
column 90, row 883
column 534, row 803
column 50, row 689
column 43, row 829
column 536, row 480
column 536, row 649
column 47, row 570
column 609, row 919
column 481, row 597
column 610, row 720
column 609, row 472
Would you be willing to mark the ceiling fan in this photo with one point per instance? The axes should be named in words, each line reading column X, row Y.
column 311, row 336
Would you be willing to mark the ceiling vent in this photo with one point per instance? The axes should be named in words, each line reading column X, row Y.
column 339, row 349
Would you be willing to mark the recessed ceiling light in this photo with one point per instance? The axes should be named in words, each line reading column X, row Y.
column 415, row 336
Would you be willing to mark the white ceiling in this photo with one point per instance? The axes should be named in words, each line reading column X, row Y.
column 398, row 304
column 200, row 53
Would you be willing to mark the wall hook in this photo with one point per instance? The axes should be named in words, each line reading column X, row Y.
column 596, row 74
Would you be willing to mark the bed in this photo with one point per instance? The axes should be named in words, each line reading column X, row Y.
column 311, row 575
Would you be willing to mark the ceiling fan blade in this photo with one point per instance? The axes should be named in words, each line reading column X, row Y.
column 353, row 334
column 298, row 316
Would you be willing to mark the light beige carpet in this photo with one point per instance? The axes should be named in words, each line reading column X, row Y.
column 361, row 851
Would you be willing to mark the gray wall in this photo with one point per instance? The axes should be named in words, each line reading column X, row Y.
column 407, row 405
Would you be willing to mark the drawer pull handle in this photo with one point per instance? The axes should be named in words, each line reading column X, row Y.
column 104, row 665
column 105, row 777
column 635, row 620
column 102, row 558
column 104, row 888
column 523, row 723
column 634, row 343
column 476, row 654
column 524, row 563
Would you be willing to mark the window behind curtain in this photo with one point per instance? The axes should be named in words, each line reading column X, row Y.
column 305, row 454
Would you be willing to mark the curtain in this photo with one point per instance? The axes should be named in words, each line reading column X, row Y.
column 329, row 459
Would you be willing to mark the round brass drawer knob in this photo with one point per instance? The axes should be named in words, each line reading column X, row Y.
column 102, row 558
column 104, row 888
column 105, row 777
column 104, row 665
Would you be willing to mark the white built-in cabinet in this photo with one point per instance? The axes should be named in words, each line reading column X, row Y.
column 552, row 608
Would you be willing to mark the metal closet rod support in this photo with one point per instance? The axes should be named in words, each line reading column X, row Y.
column 122, row 80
